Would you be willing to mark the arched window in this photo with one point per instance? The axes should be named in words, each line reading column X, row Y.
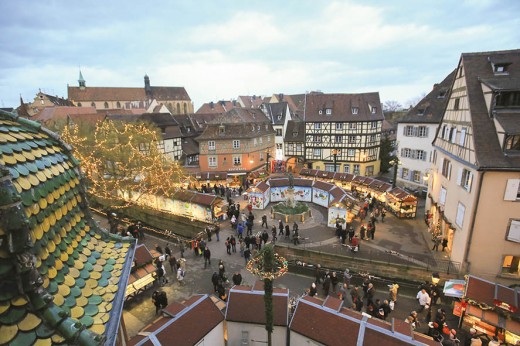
column 178, row 108
column 93, row 105
column 118, row 104
column 185, row 108
column 79, row 104
column 106, row 105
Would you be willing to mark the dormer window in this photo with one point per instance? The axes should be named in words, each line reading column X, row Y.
column 374, row 110
column 295, row 134
column 442, row 94
column 279, row 117
column 500, row 68
column 320, row 112
column 512, row 142
column 355, row 110
column 221, row 130
column 508, row 99
column 420, row 111
column 328, row 111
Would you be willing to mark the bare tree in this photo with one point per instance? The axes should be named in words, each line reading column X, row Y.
column 391, row 106
column 415, row 100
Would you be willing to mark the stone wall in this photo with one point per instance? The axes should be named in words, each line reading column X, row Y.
column 328, row 260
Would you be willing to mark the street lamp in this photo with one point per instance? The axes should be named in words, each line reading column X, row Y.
column 335, row 153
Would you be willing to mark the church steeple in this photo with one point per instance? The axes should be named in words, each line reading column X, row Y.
column 81, row 81
column 147, row 87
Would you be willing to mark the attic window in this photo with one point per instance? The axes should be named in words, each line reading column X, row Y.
column 295, row 134
column 221, row 130
column 279, row 117
column 442, row 94
column 328, row 111
column 320, row 112
column 420, row 111
column 355, row 110
column 374, row 110
column 500, row 68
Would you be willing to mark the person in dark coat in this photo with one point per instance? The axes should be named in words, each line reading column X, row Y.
column 287, row 232
column 214, row 281
column 237, row 278
column 326, row 284
column 160, row 300
column 280, row 227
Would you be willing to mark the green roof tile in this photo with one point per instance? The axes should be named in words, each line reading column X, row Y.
column 43, row 177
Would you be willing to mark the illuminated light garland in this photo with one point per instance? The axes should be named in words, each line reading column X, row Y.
column 255, row 266
column 123, row 158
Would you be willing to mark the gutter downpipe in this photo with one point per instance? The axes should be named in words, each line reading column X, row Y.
column 473, row 221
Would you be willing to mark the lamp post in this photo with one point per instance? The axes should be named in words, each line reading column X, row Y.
column 335, row 153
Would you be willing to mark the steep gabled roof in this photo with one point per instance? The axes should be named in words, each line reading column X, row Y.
column 340, row 106
column 62, row 278
column 477, row 69
column 431, row 108
column 276, row 112
column 217, row 107
column 295, row 131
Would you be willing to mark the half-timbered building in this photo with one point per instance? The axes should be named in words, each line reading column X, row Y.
column 343, row 132
column 474, row 196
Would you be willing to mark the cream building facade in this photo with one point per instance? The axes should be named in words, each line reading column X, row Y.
column 474, row 196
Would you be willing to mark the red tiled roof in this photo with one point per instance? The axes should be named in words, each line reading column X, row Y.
column 320, row 321
column 142, row 255
column 181, row 329
column 248, row 306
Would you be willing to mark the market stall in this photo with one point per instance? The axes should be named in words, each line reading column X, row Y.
column 142, row 274
column 378, row 189
column 344, row 180
column 257, row 176
column 320, row 193
column 401, row 203
column 491, row 309
column 341, row 208
column 258, row 196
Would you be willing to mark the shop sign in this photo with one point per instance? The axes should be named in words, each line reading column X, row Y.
column 458, row 308
column 505, row 306
column 454, row 288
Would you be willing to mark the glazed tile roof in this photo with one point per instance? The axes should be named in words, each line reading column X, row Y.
column 62, row 279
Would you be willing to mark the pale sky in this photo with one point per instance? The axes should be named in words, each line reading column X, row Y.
column 222, row 49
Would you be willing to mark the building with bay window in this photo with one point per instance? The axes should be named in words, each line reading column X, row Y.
column 474, row 195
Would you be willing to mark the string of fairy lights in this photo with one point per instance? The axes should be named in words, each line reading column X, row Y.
column 256, row 267
column 122, row 162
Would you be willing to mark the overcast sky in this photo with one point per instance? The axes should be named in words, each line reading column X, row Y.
column 223, row 49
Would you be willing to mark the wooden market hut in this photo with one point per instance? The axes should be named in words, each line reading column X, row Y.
column 401, row 203
column 379, row 188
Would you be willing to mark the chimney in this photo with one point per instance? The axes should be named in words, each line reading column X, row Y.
column 211, row 105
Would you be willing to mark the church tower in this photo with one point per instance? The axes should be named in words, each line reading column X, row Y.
column 147, row 87
column 81, row 81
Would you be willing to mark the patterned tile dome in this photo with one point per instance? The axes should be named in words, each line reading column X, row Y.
column 62, row 278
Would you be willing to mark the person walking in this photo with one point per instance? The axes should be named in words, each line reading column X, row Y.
column 383, row 215
column 180, row 275
column 217, row 232
column 444, row 243
column 424, row 300
column 237, row 278
column 228, row 246
column 247, row 255
column 334, row 281
column 436, row 242
column 233, row 242
column 207, row 257
column 264, row 221
column 280, row 227
column 347, row 277
column 273, row 233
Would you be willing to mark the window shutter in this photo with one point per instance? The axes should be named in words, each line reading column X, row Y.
column 441, row 166
column 511, row 192
column 404, row 130
column 426, row 129
column 453, row 135
column 402, row 152
column 470, row 182
column 449, row 171
column 459, row 176
column 514, row 231
column 462, row 136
